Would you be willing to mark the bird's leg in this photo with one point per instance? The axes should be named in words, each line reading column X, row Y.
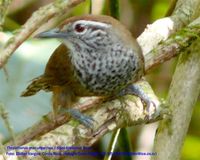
column 76, row 114
column 57, row 101
column 137, row 90
column 87, row 121
column 63, row 101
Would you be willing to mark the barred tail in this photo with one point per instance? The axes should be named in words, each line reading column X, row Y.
column 37, row 84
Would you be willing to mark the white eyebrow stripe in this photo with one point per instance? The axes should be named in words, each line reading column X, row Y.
column 93, row 23
column 98, row 31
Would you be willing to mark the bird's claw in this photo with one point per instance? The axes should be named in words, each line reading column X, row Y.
column 150, row 106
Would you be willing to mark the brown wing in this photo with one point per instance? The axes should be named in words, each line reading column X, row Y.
column 59, row 67
column 62, row 73
column 58, row 71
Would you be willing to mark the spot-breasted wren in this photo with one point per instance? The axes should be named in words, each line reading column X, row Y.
column 97, row 57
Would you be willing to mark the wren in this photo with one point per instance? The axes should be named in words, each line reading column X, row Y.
column 98, row 57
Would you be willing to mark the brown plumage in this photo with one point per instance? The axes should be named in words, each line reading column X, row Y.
column 98, row 57
column 57, row 78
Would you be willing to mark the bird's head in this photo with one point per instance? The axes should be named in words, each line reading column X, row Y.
column 89, row 31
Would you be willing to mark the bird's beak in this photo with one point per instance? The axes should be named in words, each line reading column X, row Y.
column 54, row 33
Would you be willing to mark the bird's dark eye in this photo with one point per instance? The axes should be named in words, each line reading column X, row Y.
column 79, row 28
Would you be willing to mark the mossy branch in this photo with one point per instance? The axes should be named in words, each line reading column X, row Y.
column 182, row 96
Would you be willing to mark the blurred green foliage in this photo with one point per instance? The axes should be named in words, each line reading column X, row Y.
column 159, row 9
column 191, row 148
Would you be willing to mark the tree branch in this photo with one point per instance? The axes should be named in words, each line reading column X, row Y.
column 185, row 12
column 108, row 116
column 38, row 18
column 173, row 45
column 183, row 94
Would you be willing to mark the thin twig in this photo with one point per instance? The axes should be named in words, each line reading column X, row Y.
column 38, row 18
column 4, row 116
column 4, row 4
column 2, row 150
column 112, row 144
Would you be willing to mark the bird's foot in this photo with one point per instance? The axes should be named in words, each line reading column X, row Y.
column 87, row 121
column 151, row 106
